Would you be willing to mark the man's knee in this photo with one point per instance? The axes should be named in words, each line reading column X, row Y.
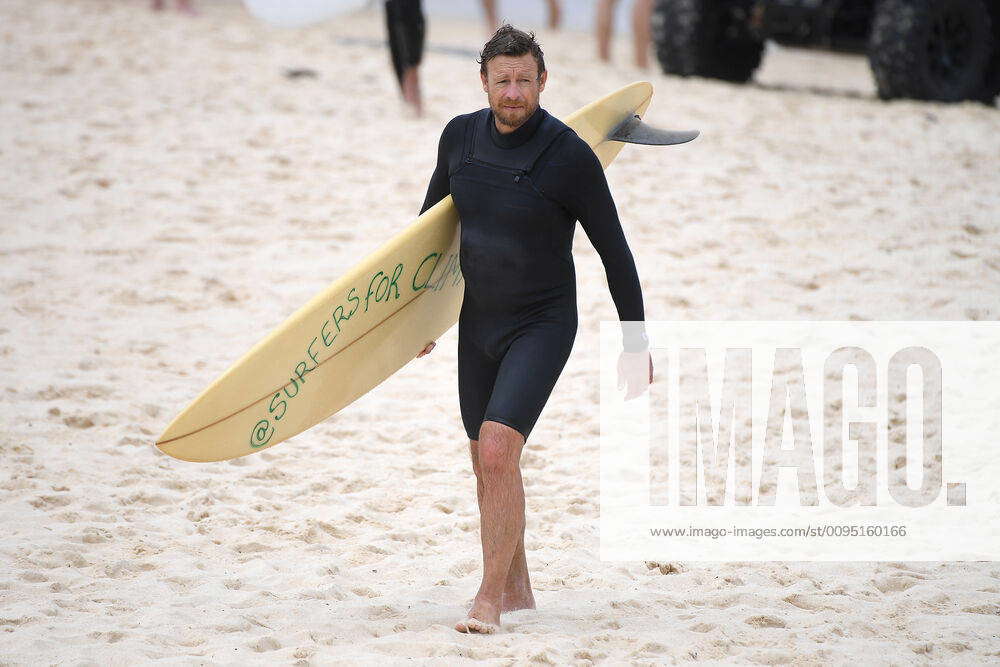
column 499, row 448
column 474, row 455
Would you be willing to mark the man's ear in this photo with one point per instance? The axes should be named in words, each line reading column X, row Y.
column 542, row 79
column 482, row 77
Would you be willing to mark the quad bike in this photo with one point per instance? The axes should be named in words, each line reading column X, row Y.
column 944, row 50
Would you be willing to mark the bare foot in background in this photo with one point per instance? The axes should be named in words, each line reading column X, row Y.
column 411, row 90
column 183, row 6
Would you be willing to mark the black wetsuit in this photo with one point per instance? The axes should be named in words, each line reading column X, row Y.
column 519, row 196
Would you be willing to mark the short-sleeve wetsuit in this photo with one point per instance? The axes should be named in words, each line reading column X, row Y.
column 519, row 196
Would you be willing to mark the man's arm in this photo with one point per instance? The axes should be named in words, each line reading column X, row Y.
column 440, row 187
column 591, row 202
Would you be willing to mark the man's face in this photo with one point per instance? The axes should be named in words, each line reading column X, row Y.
column 513, row 86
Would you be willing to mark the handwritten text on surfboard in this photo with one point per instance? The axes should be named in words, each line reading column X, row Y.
column 384, row 288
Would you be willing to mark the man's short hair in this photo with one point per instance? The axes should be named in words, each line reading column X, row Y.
column 509, row 41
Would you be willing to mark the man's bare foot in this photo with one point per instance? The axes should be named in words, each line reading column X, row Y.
column 483, row 618
column 517, row 596
column 516, row 602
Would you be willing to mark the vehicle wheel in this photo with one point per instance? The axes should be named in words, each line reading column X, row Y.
column 991, row 88
column 931, row 49
column 991, row 82
column 705, row 38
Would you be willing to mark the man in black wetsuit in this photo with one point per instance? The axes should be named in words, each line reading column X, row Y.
column 521, row 179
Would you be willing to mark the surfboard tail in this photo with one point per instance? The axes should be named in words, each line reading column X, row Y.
column 635, row 131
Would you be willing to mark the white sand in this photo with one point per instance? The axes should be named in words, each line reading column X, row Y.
column 169, row 197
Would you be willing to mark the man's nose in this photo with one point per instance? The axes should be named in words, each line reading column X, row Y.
column 512, row 92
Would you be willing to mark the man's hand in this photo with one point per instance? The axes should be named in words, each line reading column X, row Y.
column 635, row 371
column 427, row 349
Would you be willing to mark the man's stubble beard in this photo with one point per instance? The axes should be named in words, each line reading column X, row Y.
column 513, row 120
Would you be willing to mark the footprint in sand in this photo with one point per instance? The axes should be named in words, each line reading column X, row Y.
column 664, row 568
column 590, row 656
column 773, row 658
column 252, row 547
column 78, row 421
column 894, row 584
column 838, row 603
column 143, row 498
column 336, row 532
column 92, row 535
column 990, row 609
column 303, row 653
column 383, row 611
column 957, row 647
column 463, row 567
column 655, row 648
column 48, row 502
column 126, row 568
column 765, row 622
column 233, row 624
column 266, row 644
column 443, row 508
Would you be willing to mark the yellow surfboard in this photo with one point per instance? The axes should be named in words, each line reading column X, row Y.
column 370, row 322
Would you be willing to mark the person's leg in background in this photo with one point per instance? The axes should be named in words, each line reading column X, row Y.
column 642, row 12
column 642, row 31
column 555, row 14
column 492, row 20
column 605, row 24
column 406, row 28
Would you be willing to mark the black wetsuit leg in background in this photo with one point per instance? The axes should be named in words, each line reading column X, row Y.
column 405, row 24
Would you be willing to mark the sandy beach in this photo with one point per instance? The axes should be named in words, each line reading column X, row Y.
column 169, row 196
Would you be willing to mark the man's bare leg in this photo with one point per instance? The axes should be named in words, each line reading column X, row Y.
column 517, row 592
column 501, row 521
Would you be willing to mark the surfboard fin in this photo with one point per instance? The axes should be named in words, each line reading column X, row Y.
column 634, row 131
